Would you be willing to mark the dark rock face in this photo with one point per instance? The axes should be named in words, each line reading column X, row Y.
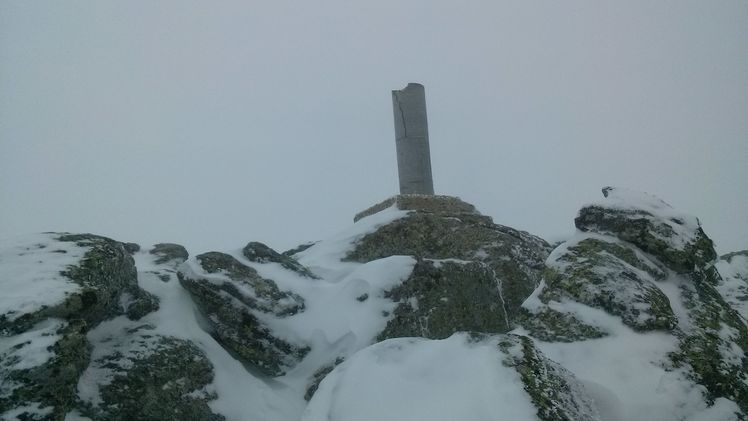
column 443, row 297
column 164, row 380
column 454, row 230
column 106, row 273
column 230, row 304
column 108, row 287
column 618, row 266
column 52, row 384
column 169, row 251
column 260, row 253
column 651, row 234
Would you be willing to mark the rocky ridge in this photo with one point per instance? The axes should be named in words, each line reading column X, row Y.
column 424, row 288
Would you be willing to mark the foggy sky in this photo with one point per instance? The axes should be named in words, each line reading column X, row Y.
column 212, row 124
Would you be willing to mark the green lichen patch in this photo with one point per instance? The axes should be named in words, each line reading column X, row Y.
column 555, row 392
column 550, row 325
column 611, row 277
column 715, row 345
column 652, row 234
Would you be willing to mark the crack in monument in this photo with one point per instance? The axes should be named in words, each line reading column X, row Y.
column 402, row 114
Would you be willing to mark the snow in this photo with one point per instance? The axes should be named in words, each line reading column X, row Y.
column 27, row 350
column 334, row 322
column 325, row 257
column 31, row 411
column 734, row 285
column 684, row 226
column 30, row 268
column 629, row 374
column 420, row 379
column 31, row 348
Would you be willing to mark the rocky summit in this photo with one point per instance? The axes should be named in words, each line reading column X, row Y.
column 422, row 309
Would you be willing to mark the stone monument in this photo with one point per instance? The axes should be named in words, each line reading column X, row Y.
column 412, row 140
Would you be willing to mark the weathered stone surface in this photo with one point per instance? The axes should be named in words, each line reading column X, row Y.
column 169, row 251
column 260, row 253
column 230, row 295
column 412, row 140
column 450, row 229
column 51, row 384
column 549, row 325
column 716, row 344
column 50, row 349
column 443, row 297
column 557, row 394
column 421, row 202
column 610, row 276
column 639, row 246
column 676, row 240
column 152, row 377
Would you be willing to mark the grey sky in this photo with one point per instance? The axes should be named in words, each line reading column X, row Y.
column 217, row 123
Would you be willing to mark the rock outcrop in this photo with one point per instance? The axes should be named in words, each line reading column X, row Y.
column 65, row 285
column 423, row 309
column 232, row 297
column 641, row 261
column 506, row 263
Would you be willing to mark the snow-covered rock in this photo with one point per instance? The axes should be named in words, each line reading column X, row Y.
column 463, row 377
column 232, row 297
column 55, row 288
column 423, row 309
column 734, row 283
column 638, row 266
column 445, row 228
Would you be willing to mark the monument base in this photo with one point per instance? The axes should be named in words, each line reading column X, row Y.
column 422, row 202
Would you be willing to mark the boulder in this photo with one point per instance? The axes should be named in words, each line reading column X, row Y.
column 442, row 297
column 260, row 253
column 650, row 224
column 466, row 376
column 442, row 227
column 58, row 287
column 233, row 298
column 169, row 251
column 137, row 374
column 636, row 258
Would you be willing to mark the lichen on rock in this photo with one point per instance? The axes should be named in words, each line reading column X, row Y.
column 443, row 227
column 232, row 296
column 443, row 297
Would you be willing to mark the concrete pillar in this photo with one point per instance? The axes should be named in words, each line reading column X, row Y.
column 412, row 140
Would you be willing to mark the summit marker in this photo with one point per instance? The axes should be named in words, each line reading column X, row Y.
column 412, row 140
